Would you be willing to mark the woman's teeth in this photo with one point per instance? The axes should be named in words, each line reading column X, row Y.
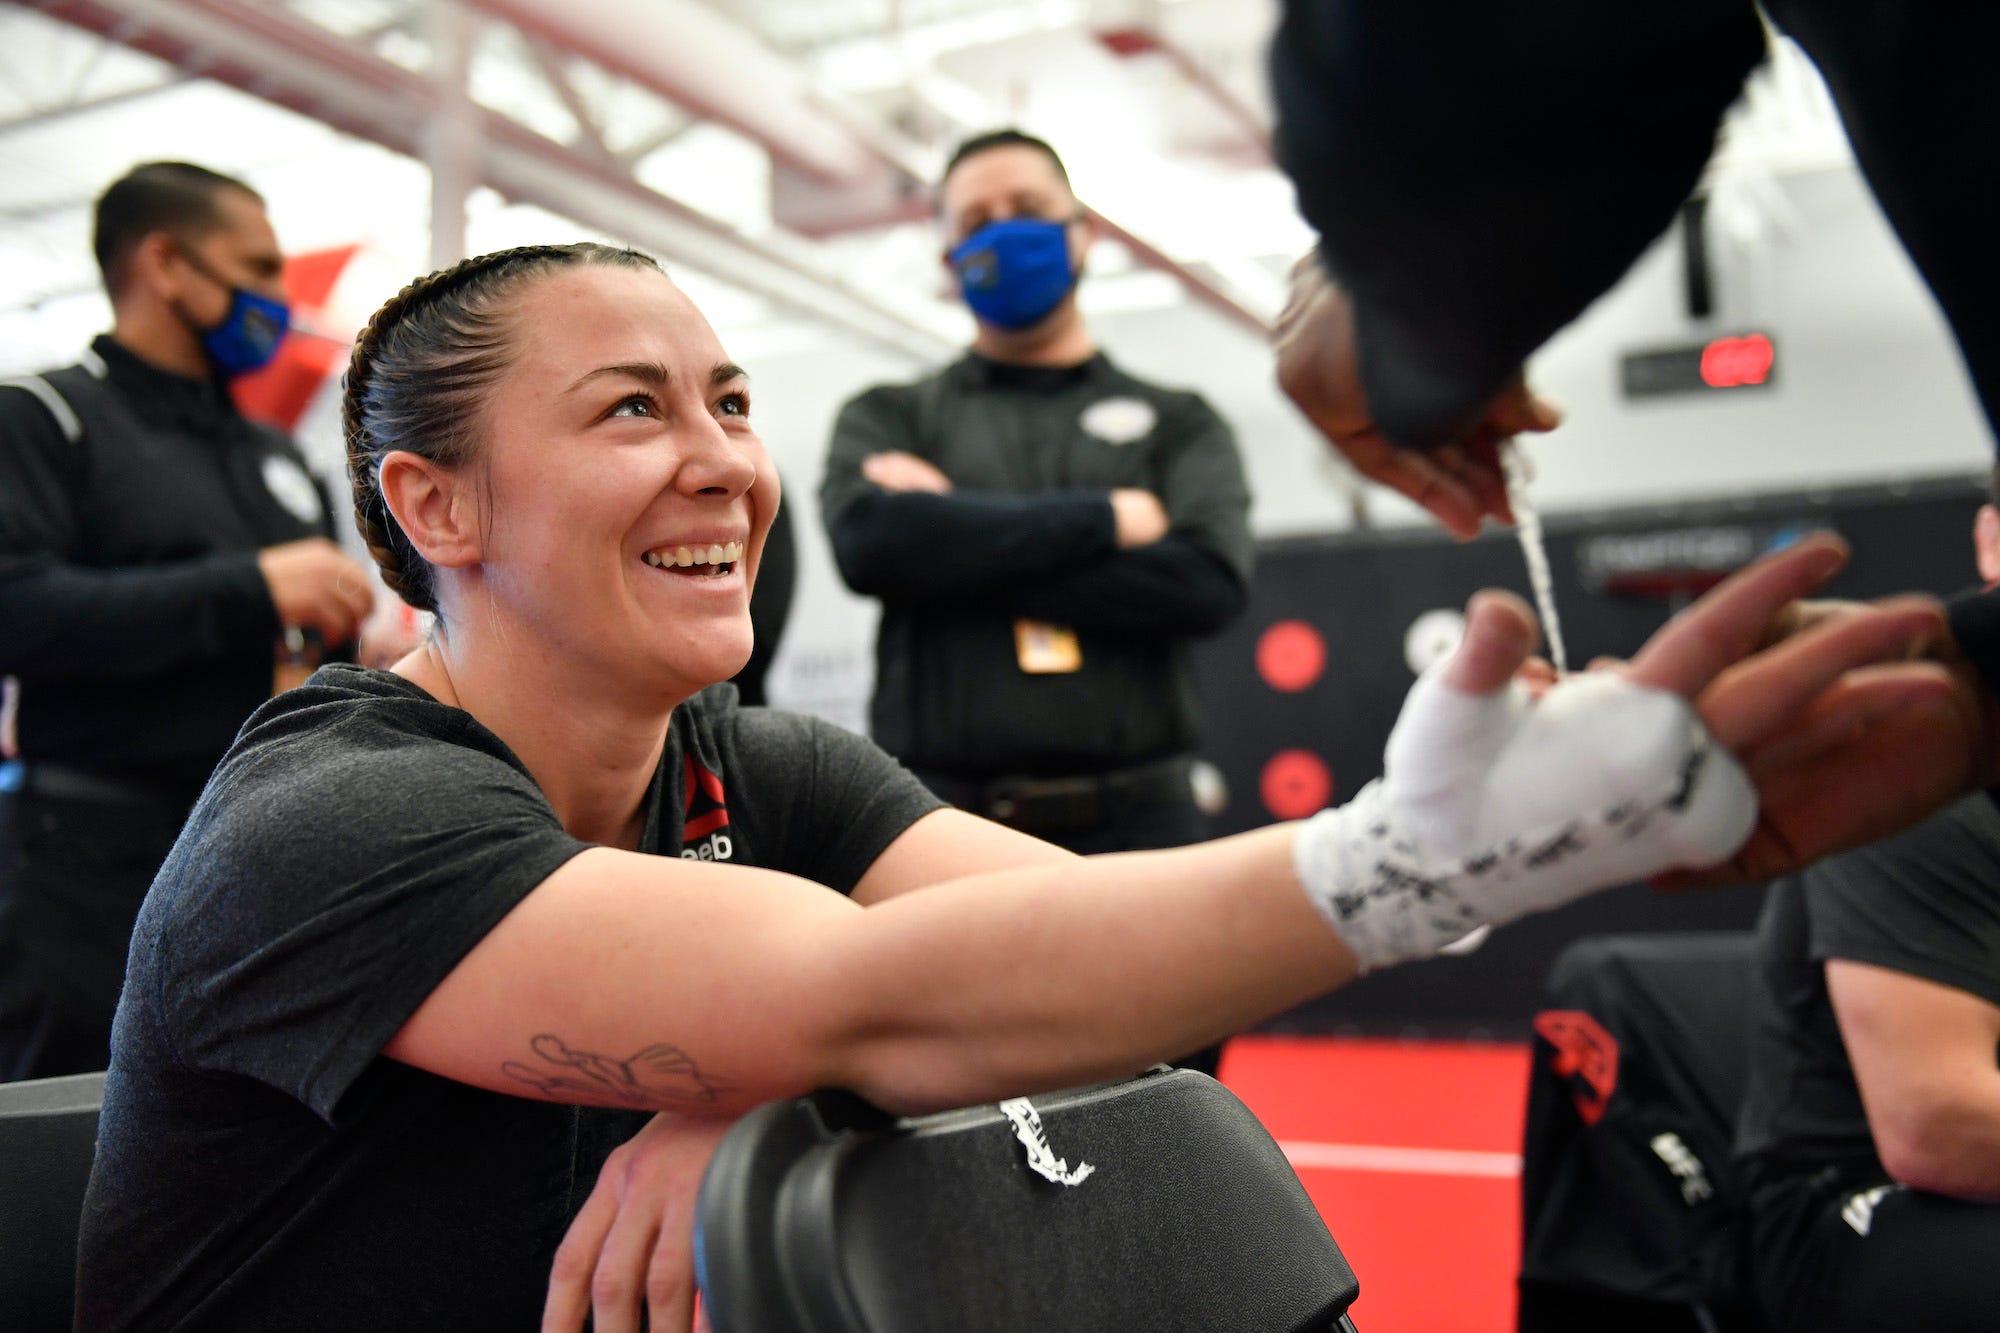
column 686, row 557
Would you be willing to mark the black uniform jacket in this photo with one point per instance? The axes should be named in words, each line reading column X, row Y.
column 132, row 506
column 1027, row 533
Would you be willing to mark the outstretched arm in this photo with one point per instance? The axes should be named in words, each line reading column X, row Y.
column 630, row 980
column 1028, row 967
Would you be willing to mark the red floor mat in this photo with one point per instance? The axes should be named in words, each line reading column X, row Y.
column 1411, row 1150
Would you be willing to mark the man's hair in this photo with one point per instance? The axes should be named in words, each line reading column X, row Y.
column 174, row 197
column 1002, row 138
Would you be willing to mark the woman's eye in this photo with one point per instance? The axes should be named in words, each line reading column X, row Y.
column 734, row 405
column 638, row 405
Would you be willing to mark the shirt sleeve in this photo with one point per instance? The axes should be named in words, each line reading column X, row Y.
column 914, row 546
column 844, row 799
column 65, row 617
column 1479, row 174
column 1192, row 582
column 325, row 886
column 1925, row 903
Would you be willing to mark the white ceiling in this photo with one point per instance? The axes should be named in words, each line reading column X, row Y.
column 1170, row 152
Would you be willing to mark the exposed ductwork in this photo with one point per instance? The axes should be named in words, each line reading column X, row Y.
column 270, row 53
column 717, row 69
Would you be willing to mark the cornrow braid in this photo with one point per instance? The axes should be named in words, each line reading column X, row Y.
column 420, row 373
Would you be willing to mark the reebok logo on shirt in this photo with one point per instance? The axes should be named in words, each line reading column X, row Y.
column 704, row 790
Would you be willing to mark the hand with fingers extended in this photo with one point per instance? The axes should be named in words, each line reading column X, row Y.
column 1878, row 749
column 1319, row 369
column 630, row 1249
column 1497, row 801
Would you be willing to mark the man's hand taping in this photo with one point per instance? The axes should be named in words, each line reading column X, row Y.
column 1494, row 804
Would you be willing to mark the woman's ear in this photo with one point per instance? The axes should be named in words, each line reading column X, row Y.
column 434, row 506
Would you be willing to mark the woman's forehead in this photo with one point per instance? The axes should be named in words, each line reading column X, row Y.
column 598, row 314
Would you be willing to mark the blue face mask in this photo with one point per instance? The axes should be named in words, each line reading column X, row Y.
column 1014, row 272
column 249, row 334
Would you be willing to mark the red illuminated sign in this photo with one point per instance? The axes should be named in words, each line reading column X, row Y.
column 1732, row 363
column 1738, row 361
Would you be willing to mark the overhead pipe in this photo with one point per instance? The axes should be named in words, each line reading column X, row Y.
column 716, row 68
column 283, row 59
column 698, row 59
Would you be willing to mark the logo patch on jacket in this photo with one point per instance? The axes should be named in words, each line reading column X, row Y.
column 292, row 486
column 704, row 815
column 1585, row 1054
column 1119, row 420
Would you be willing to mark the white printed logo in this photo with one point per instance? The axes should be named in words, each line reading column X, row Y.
column 1042, row 1159
column 715, row 847
column 292, row 486
column 1119, row 420
column 1680, row 1159
column 1860, row 1210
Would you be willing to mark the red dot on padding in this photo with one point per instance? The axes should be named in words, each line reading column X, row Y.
column 1290, row 656
column 1295, row 783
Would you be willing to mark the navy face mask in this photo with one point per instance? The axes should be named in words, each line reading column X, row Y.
column 1014, row 272
column 249, row 334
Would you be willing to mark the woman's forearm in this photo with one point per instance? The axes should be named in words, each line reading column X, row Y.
column 1031, row 978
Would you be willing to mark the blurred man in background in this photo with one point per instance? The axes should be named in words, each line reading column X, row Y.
column 165, row 563
column 1047, row 535
column 1870, row 1128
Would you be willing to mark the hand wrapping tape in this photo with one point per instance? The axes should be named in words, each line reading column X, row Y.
column 1494, row 806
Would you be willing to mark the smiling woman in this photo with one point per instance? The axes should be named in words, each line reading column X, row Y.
column 437, row 940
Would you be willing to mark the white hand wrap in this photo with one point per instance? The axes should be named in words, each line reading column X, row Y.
column 1493, row 806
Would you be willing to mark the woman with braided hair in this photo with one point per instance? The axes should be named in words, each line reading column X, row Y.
column 438, row 940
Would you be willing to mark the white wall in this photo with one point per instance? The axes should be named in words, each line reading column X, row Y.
column 1869, row 385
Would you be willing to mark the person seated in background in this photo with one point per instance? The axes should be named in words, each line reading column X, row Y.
column 1870, row 1132
column 156, row 547
column 443, row 944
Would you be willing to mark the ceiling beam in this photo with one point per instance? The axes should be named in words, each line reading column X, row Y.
column 274, row 54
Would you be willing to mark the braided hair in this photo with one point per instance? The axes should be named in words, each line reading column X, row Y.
column 420, row 374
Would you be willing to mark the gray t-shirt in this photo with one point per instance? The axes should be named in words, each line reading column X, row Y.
column 1925, row 903
column 260, row 1164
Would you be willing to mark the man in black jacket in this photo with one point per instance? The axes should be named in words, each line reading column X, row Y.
column 1048, row 535
column 1480, row 174
column 164, row 562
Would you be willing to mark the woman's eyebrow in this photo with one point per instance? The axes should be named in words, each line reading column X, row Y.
column 726, row 371
column 646, row 372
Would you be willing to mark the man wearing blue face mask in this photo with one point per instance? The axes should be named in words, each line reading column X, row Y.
column 1046, row 532
column 157, row 551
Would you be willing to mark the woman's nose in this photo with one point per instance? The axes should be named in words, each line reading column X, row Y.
column 721, row 463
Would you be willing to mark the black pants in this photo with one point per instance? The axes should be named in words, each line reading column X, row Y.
column 72, row 876
column 1836, row 1257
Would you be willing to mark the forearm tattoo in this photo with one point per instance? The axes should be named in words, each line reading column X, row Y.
column 660, row 1077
